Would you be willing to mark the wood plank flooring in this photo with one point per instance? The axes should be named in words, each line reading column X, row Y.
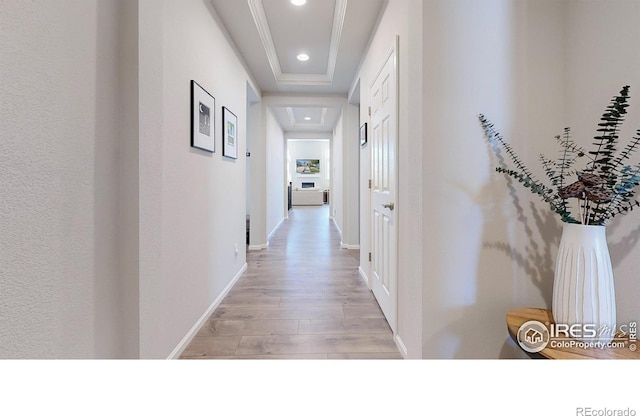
column 302, row 298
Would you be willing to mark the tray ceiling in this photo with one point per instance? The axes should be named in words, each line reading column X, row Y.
column 269, row 34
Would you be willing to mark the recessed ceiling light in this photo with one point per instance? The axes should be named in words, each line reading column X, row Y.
column 298, row 2
column 307, row 118
column 303, row 57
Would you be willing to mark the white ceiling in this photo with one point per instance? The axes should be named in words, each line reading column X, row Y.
column 269, row 34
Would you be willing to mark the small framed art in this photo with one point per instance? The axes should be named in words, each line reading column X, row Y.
column 229, row 134
column 202, row 118
column 363, row 134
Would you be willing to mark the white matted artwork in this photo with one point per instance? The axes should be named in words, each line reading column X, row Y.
column 229, row 134
column 202, row 118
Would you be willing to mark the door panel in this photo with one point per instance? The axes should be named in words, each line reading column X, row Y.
column 383, row 98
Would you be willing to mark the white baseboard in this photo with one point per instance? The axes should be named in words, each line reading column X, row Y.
column 203, row 319
column 275, row 229
column 259, row 247
column 349, row 246
column 337, row 226
column 364, row 277
column 400, row 345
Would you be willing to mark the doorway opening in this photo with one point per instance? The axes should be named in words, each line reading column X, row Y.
column 309, row 173
column 253, row 118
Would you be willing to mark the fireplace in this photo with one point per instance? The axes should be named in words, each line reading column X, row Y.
column 308, row 185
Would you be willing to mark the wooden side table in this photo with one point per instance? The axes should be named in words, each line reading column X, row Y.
column 518, row 317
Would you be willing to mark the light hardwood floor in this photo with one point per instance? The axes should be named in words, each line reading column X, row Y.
column 301, row 298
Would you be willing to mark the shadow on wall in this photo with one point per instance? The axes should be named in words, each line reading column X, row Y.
column 537, row 262
column 530, row 248
column 514, row 268
column 622, row 248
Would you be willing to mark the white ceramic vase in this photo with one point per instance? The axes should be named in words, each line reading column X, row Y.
column 583, row 290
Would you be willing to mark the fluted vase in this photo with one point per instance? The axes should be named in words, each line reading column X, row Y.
column 583, row 289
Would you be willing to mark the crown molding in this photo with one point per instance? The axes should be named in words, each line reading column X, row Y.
column 336, row 35
column 326, row 79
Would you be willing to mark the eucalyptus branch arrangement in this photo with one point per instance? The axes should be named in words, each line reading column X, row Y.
column 604, row 187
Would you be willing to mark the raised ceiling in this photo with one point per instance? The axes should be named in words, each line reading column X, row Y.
column 269, row 34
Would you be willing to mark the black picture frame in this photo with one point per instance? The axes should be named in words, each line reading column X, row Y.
column 229, row 134
column 203, row 112
column 363, row 134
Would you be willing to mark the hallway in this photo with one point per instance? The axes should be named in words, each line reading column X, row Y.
column 300, row 298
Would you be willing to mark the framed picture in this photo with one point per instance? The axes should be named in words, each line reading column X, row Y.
column 202, row 118
column 307, row 166
column 229, row 134
column 363, row 134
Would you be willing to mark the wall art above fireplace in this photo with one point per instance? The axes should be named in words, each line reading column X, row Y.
column 307, row 166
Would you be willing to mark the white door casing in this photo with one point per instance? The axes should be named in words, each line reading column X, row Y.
column 384, row 210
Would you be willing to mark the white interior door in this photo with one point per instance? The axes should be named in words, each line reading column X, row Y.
column 383, row 99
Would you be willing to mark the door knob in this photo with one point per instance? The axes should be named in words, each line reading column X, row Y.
column 390, row 205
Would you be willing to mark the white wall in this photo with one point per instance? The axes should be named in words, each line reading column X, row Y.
column 276, row 173
column 344, row 196
column 602, row 55
column 488, row 248
column 258, row 233
column 125, row 288
column 310, row 149
column 351, row 159
column 100, row 181
column 63, row 83
column 192, row 203
column 337, row 175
